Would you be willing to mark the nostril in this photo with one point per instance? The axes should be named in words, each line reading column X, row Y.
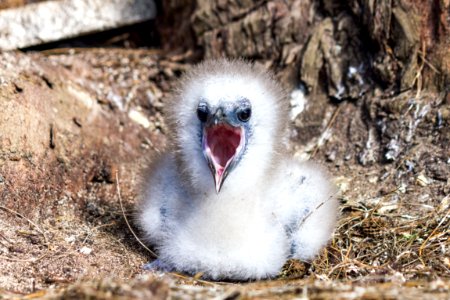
column 220, row 114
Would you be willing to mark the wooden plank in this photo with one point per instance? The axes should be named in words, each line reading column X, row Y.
column 51, row 21
column 4, row 4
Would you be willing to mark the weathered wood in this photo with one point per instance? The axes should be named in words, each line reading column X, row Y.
column 50, row 21
column 175, row 26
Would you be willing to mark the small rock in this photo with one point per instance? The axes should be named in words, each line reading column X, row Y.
column 373, row 179
column 422, row 180
column 409, row 165
column 402, row 188
column 85, row 250
column 439, row 171
column 70, row 239
column 424, row 198
column 398, row 278
column 331, row 156
column 139, row 118
column 447, row 262
column 392, row 151
column 343, row 183
column 387, row 208
column 445, row 204
column 298, row 102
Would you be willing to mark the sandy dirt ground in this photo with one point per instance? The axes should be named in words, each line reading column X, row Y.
column 76, row 127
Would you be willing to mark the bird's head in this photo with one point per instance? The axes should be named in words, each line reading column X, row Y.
column 225, row 130
column 228, row 120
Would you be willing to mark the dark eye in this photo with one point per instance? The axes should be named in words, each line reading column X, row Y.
column 202, row 112
column 244, row 114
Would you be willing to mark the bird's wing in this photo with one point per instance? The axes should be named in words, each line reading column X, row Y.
column 163, row 194
column 307, row 207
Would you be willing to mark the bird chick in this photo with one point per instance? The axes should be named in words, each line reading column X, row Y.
column 226, row 199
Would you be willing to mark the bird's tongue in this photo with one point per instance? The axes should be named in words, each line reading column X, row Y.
column 222, row 142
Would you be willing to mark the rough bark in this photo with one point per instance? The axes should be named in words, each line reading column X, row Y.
column 342, row 48
column 175, row 28
column 331, row 50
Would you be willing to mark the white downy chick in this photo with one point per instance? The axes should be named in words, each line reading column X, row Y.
column 226, row 199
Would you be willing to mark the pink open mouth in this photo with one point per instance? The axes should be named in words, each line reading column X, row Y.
column 221, row 143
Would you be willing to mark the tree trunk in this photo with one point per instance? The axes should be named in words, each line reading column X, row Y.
column 340, row 48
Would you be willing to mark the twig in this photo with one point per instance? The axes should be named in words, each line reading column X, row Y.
column 329, row 125
column 428, row 62
column 28, row 220
column 33, row 260
column 316, row 209
column 417, row 78
column 353, row 262
column 126, row 219
column 424, row 244
column 65, row 51
column 195, row 279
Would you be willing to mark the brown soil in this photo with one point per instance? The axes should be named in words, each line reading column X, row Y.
column 72, row 119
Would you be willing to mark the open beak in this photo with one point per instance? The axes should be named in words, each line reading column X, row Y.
column 221, row 144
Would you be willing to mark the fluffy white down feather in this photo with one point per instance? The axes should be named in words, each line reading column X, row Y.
column 270, row 208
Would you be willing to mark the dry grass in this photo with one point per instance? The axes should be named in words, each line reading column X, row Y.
column 377, row 247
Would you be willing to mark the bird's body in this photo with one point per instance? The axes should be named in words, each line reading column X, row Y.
column 229, row 120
